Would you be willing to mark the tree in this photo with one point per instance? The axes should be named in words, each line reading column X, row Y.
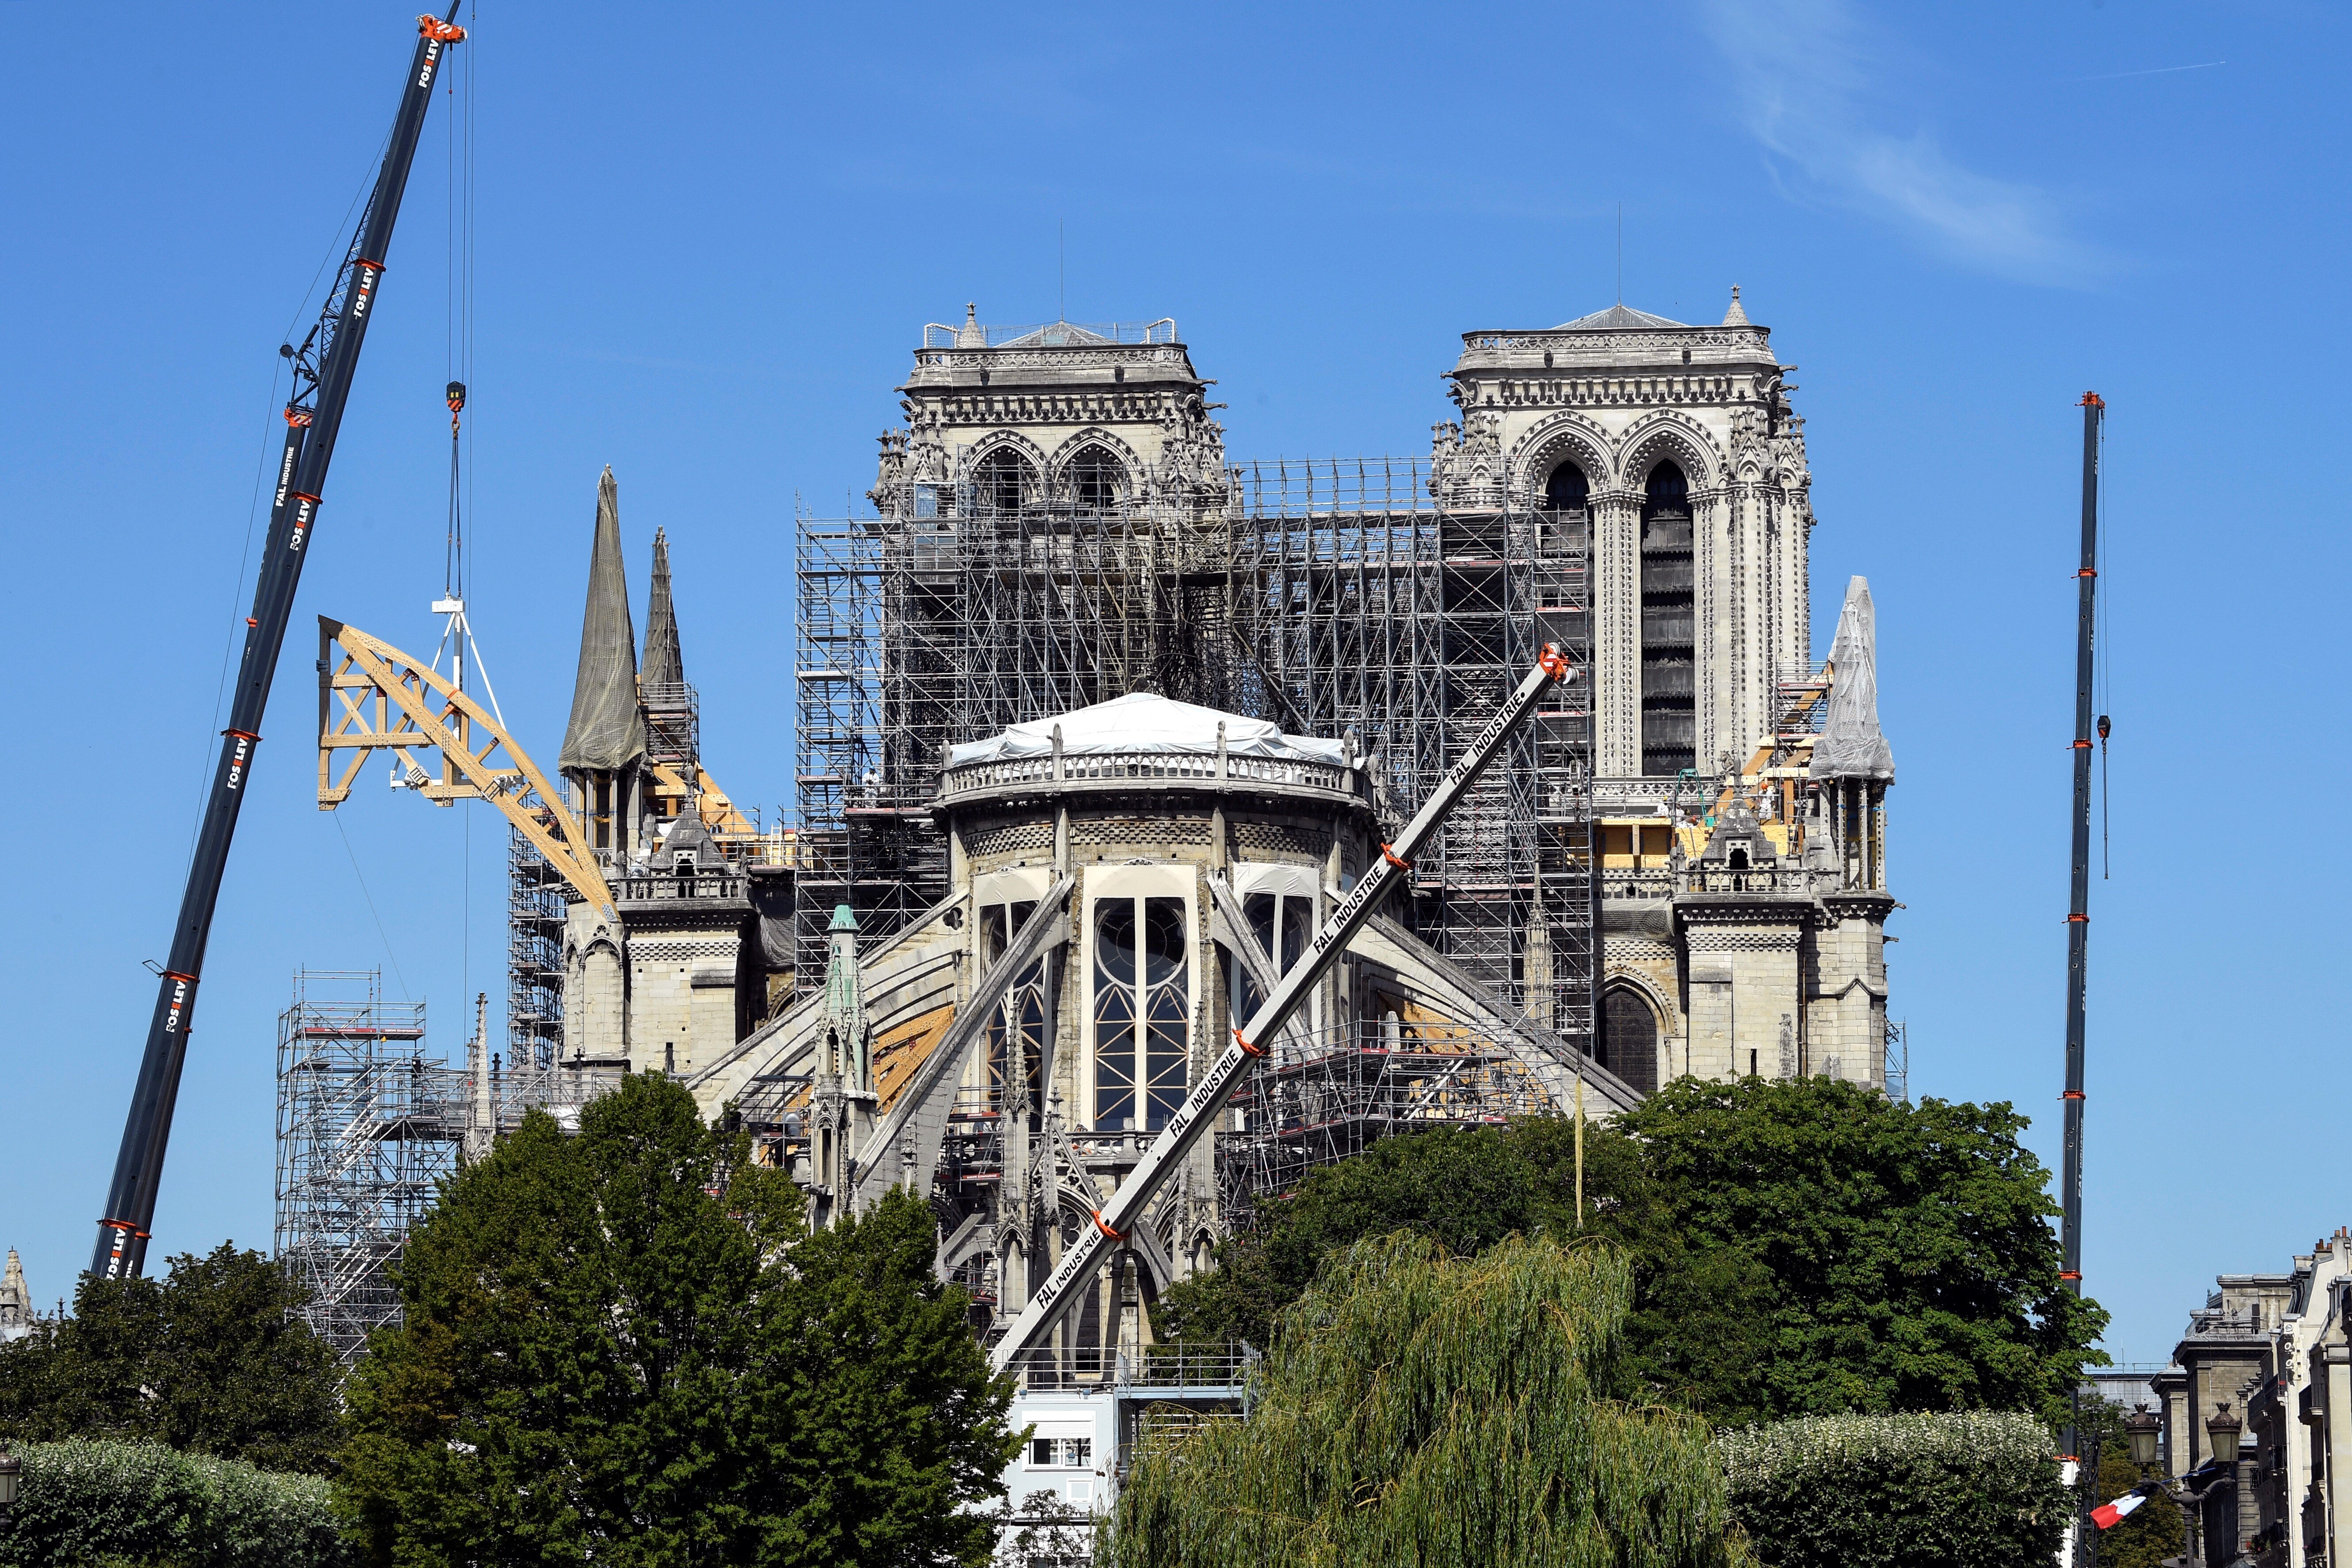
column 623, row 1347
column 1967, row 1490
column 1423, row 1408
column 1911, row 1260
column 115, row 1505
column 210, row 1359
column 1798, row 1247
column 1465, row 1188
column 2150, row 1533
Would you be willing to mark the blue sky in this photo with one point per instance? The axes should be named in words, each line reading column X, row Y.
column 708, row 238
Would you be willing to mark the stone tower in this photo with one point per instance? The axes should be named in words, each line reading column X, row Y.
column 1058, row 415
column 1739, row 789
column 1677, row 445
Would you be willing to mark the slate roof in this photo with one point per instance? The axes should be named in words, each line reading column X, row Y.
column 1619, row 318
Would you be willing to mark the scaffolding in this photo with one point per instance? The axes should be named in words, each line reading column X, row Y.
column 1347, row 1090
column 1327, row 597
column 365, row 1131
column 673, row 724
column 535, row 916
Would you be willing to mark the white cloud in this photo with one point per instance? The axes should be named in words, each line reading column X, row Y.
column 1807, row 71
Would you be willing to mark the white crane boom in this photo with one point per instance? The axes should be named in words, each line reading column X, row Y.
column 1194, row 1118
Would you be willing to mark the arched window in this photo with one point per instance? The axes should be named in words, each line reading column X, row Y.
column 1003, row 481
column 1282, row 924
column 1566, row 489
column 1143, row 1012
column 1016, row 1030
column 1669, row 692
column 1629, row 1038
column 1094, row 478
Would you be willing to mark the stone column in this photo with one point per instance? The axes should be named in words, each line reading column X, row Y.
column 595, row 999
column 1617, row 633
column 1747, row 986
column 1711, row 1016
column 1715, row 517
column 1850, row 1024
column 2336, row 1368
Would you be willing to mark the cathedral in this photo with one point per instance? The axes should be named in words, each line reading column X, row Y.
column 1096, row 724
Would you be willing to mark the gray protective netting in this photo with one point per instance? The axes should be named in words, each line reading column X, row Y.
column 665, row 665
column 607, row 728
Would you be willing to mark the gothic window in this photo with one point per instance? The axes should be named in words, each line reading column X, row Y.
column 1016, row 1030
column 1669, row 690
column 1094, row 478
column 1566, row 489
column 1564, row 528
column 1003, row 482
column 1282, row 924
column 1629, row 1038
column 1143, row 1012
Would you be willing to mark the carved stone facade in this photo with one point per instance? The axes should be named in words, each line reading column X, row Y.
column 1069, row 415
column 1675, row 450
column 1614, row 395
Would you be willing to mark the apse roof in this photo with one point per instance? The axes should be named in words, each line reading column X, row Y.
column 1146, row 721
column 1057, row 335
column 1617, row 318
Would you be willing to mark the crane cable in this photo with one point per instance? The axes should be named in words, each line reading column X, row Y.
column 457, row 353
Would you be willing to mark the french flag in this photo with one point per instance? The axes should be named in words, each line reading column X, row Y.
column 2106, row 1516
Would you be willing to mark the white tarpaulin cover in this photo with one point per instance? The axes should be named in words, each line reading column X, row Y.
column 1146, row 721
column 1851, row 745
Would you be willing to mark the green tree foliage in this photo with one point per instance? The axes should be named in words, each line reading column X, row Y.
column 622, row 1347
column 2150, row 1533
column 1798, row 1247
column 98, row 1502
column 1969, row 1490
column 209, row 1359
column 1428, row 1409
column 1912, row 1263
column 1465, row 1188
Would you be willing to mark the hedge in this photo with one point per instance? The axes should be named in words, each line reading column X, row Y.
column 121, row 1503
column 1971, row 1489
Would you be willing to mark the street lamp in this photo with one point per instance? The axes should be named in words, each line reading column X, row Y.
column 2142, row 1426
column 2223, row 1429
column 11, row 1467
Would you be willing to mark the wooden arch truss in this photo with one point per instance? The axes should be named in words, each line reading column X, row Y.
column 373, row 697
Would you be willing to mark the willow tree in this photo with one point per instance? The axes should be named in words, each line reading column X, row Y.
column 1422, row 1408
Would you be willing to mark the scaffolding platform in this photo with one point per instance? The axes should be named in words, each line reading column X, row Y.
column 1328, row 597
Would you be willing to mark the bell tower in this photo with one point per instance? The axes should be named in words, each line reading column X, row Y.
column 1677, row 449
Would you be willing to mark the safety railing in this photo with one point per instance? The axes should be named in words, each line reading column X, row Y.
column 1048, row 335
column 1173, row 1369
column 1107, row 767
column 654, row 886
column 1767, row 879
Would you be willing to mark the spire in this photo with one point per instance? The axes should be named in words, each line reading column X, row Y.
column 662, row 664
column 1735, row 317
column 607, row 729
column 1852, row 746
column 844, row 1003
column 970, row 335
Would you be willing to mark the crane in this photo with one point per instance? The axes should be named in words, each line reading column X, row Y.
column 1198, row 1114
column 323, row 367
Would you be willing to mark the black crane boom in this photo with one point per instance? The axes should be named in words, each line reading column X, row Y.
column 323, row 367
column 2078, row 892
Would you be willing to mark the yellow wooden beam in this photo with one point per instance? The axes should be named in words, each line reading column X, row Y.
column 375, row 697
column 717, row 811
